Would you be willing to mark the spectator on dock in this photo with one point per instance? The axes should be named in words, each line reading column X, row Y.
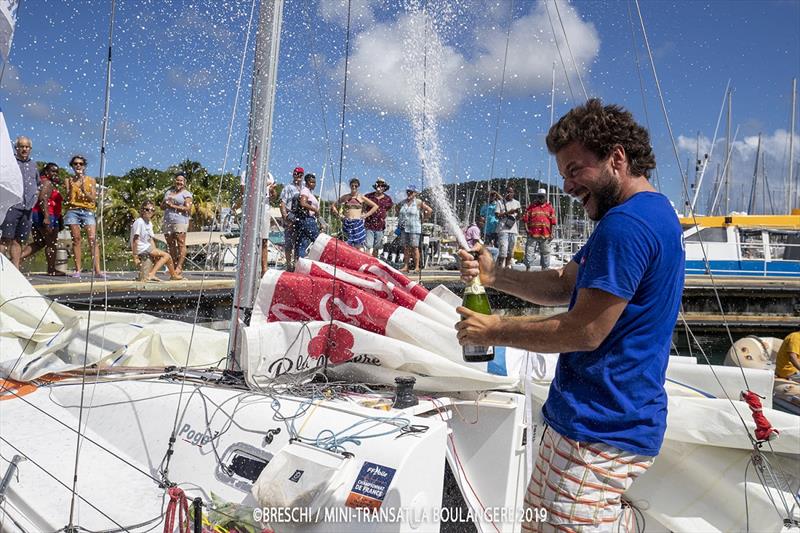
column 81, row 202
column 306, row 211
column 266, row 221
column 289, row 194
column 350, row 208
column 787, row 362
column 472, row 233
column 143, row 247
column 489, row 213
column 17, row 223
column 539, row 220
column 508, row 209
column 177, row 206
column 375, row 223
column 410, row 213
column 46, row 218
column 606, row 412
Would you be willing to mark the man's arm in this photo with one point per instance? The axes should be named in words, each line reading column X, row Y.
column 583, row 328
column 44, row 196
column 134, row 243
column 545, row 287
column 795, row 359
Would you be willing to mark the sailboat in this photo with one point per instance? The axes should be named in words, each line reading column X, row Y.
column 121, row 422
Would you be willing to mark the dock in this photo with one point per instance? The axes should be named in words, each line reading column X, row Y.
column 764, row 306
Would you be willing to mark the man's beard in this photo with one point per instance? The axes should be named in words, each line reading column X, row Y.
column 606, row 196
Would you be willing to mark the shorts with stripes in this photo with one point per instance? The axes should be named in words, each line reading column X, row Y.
column 580, row 485
column 356, row 232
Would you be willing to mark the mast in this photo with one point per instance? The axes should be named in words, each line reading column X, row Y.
column 751, row 207
column 791, row 201
column 265, row 70
column 728, row 151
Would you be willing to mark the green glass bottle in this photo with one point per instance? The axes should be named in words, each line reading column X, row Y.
column 476, row 299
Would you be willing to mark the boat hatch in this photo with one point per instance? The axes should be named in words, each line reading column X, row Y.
column 243, row 464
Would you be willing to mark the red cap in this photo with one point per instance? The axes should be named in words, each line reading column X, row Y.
column 299, row 169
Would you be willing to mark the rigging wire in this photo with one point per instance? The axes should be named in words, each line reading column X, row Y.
column 560, row 55
column 684, row 180
column 569, row 49
column 339, row 184
column 168, row 454
column 634, row 45
column 94, row 251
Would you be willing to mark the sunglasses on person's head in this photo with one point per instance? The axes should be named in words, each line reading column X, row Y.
column 149, row 209
column 77, row 164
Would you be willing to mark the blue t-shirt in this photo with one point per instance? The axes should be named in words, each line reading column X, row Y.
column 615, row 394
column 490, row 216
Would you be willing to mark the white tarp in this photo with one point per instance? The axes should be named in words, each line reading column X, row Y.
column 39, row 336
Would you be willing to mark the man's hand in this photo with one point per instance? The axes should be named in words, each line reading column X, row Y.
column 484, row 266
column 476, row 328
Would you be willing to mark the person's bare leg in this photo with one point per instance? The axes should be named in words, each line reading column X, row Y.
column 264, row 256
column 94, row 248
column 181, row 244
column 172, row 246
column 14, row 252
column 406, row 258
column 75, row 230
column 160, row 259
column 37, row 244
column 50, row 240
column 417, row 264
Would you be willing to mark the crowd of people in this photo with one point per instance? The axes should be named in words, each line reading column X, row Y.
column 33, row 224
column 363, row 218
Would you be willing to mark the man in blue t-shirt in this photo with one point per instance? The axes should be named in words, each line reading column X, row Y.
column 607, row 408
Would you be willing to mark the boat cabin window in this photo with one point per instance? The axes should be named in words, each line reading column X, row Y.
column 709, row 235
column 752, row 244
column 784, row 245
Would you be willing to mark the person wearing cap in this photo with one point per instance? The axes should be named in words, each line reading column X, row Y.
column 289, row 195
column 539, row 220
column 410, row 213
column 507, row 210
column 375, row 224
column 350, row 208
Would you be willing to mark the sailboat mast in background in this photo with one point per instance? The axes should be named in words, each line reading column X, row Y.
column 262, row 103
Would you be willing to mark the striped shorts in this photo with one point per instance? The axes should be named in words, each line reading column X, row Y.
column 356, row 232
column 580, row 485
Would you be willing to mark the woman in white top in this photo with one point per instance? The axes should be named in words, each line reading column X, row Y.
column 177, row 206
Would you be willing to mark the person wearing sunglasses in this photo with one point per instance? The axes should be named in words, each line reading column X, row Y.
column 143, row 248
column 375, row 224
column 81, row 201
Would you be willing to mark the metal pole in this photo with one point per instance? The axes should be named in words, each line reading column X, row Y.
column 791, row 200
column 265, row 71
column 728, row 151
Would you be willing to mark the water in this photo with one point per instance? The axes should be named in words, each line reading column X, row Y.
column 425, row 47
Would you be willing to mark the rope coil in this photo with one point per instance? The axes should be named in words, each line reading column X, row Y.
column 177, row 500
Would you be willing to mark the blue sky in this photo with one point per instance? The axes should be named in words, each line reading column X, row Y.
column 176, row 65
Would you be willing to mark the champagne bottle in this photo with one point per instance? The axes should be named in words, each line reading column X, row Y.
column 475, row 299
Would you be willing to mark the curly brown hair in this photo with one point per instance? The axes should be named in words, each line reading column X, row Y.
column 599, row 128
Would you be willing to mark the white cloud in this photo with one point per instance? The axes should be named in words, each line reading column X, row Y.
column 532, row 50
column 180, row 78
column 385, row 74
column 386, row 64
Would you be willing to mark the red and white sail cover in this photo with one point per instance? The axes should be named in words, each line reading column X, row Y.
column 373, row 328
column 332, row 251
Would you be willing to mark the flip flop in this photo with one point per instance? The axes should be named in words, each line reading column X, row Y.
column 152, row 280
column 177, row 278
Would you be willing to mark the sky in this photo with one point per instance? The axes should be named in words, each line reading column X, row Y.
column 414, row 81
